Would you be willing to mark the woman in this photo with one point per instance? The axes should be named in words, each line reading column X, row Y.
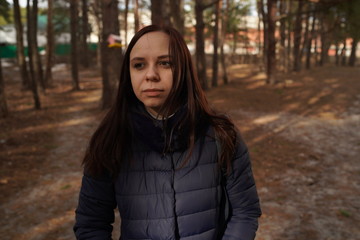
column 174, row 168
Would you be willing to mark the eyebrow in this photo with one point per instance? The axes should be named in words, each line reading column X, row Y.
column 164, row 56
column 142, row 58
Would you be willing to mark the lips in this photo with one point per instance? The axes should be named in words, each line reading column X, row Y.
column 152, row 92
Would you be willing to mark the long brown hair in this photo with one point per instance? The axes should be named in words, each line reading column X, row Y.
column 111, row 142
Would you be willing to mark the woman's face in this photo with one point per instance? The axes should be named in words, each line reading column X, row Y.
column 151, row 70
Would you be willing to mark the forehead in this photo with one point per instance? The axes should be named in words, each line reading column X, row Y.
column 153, row 43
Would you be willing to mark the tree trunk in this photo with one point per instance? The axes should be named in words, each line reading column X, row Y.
column 222, row 25
column 306, row 36
column 282, row 50
column 326, row 52
column 157, row 13
column 74, row 15
column 37, row 58
column 136, row 15
column 96, row 9
column 343, row 53
column 166, row 12
column 271, row 56
column 265, row 30
column 126, row 21
column 316, row 53
column 50, row 44
column 282, row 23
column 215, row 67
column 352, row 58
column 84, row 34
column 310, row 40
column 337, row 57
column 260, row 38
column 110, row 57
column 289, row 46
column 297, row 36
column 177, row 12
column 3, row 105
column 32, row 51
column 20, row 51
column 324, row 41
column 200, row 44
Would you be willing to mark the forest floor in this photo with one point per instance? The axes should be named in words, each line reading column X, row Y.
column 303, row 136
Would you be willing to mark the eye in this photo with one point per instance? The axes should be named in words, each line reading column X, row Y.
column 138, row 65
column 166, row 64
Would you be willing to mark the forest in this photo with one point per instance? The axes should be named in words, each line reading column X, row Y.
column 286, row 71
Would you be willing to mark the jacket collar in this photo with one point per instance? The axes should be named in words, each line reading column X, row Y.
column 159, row 135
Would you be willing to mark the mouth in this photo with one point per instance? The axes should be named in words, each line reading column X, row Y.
column 152, row 92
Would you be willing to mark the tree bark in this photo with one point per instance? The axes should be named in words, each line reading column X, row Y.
column 34, row 56
column 35, row 46
column 343, row 53
column 289, row 46
column 215, row 66
column 96, row 10
column 200, row 44
column 324, row 41
column 282, row 50
column 306, row 35
column 136, row 15
column 271, row 56
column 166, row 12
column 297, row 36
column 316, row 54
column 50, row 44
column 84, row 34
column 352, row 58
column 110, row 57
column 260, row 38
column 337, row 57
column 222, row 25
column 157, row 12
column 282, row 23
column 265, row 30
column 74, row 15
column 126, row 21
column 4, row 112
column 20, row 51
column 309, row 43
column 31, row 53
column 178, row 18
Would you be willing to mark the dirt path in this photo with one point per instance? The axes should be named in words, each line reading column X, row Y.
column 45, row 208
column 305, row 142
column 304, row 139
column 319, row 191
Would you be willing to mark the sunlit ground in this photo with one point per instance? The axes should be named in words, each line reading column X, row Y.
column 302, row 133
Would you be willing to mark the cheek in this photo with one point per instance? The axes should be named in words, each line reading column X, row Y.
column 134, row 85
column 134, row 81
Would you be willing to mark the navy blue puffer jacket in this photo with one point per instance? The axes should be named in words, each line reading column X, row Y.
column 160, row 199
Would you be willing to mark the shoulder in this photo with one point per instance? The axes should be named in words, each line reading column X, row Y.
column 240, row 145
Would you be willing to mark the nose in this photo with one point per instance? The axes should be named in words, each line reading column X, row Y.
column 152, row 73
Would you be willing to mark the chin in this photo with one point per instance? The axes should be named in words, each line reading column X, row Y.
column 152, row 105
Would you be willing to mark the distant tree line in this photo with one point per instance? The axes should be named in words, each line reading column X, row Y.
column 306, row 30
column 292, row 35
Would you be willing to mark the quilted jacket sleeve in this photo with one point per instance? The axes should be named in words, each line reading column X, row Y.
column 244, row 201
column 95, row 211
